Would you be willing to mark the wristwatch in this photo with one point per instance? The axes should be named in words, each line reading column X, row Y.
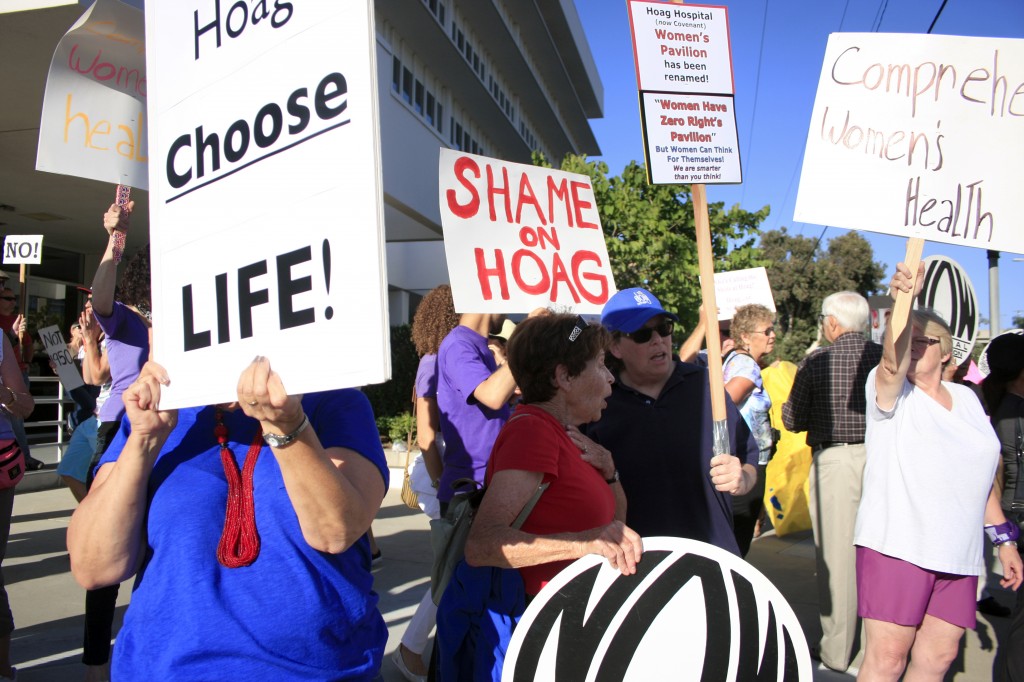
column 277, row 440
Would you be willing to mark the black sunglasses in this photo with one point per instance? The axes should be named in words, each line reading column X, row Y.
column 9, row 298
column 644, row 335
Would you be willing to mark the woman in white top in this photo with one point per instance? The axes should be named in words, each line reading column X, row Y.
column 928, row 486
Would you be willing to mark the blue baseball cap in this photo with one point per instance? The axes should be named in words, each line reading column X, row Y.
column 628, row 310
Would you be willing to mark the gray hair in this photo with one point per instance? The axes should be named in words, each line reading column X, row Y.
column 849, row 308
column 932, row 324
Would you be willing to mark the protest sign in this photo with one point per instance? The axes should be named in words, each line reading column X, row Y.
column 684, row 73
column 918, row 136
column 948, row 291
column 519, row 237
column 23, row 249
column 691, row 608
column 93, row 123
column 265, row 195
column 60, row 356
column 742, row 287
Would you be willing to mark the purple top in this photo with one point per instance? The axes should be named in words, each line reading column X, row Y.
column 469, row 428
column 127, row 352
column 426, row 377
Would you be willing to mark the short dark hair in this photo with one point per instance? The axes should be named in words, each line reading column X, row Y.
column 539, row 344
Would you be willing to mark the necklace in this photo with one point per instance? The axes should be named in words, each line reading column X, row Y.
column 240, row 541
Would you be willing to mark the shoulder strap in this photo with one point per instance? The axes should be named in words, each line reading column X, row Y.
column 530, row 504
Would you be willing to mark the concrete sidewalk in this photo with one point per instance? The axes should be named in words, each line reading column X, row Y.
column 48, row 604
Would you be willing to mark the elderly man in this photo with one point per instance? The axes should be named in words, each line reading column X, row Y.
column 658, row 427
column 827, row 401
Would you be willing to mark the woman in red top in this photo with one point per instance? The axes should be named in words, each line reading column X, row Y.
column 558, row 363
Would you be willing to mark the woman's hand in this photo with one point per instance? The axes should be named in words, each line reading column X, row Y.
column 1013, row 570
column 618, row 543
column 902, row 280
column 727, row 474
column 142, row 403
column 262, row 396
column 594, row 454
column 117, row 219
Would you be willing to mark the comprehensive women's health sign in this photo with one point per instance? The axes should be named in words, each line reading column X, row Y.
column 265, row 195
column 518, row 237
column 919, row 136
column 93, row 123
column 684, row 73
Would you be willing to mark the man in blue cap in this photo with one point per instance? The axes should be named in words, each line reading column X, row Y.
column 658, row 427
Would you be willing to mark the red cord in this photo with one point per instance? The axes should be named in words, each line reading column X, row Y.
column 240, row 542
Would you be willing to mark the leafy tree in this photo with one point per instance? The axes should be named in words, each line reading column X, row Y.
column 1017, row 322
column 802, row 274
column 651, row 238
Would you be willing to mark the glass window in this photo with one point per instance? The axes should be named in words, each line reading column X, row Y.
column 417, row 102
column 407, row 85
column 440, row 118
column 396, row 74
column 430, row 108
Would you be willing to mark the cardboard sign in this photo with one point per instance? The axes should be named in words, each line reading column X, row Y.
column 948, row 291
column 691, row 608
column 67, row 370
column 265, row 195
column 742, row 287
column 519, row 237
column 93, row 123
column 23, row 248
column 684, row 72
column 918, row 136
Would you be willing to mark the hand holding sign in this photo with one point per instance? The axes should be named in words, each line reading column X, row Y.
column 117, row 218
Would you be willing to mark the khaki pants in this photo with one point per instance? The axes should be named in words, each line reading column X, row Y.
column 836, row 477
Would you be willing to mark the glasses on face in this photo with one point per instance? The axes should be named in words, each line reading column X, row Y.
column 644, row 335
column 578, row 325
column 821, row 318
column 923, row 343
column 9, row 298
column 768, row 331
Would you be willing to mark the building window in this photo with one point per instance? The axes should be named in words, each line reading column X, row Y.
column 416, row 94
column 417, row 102
column 407, row 85
column 396, row 74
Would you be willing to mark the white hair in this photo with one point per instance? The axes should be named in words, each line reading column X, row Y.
column 849, row 308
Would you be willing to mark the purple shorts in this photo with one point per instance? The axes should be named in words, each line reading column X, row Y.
column 896, row 591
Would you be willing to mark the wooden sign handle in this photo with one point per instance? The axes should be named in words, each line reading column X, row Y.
column 706, row 260
column 905, row 299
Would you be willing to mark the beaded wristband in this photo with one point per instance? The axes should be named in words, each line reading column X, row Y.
column 1003, row 533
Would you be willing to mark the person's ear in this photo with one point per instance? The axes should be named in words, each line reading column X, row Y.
column 562, row 380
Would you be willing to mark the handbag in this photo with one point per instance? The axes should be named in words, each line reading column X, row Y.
column 448, row 534
column 409, row 496
column 12, row 464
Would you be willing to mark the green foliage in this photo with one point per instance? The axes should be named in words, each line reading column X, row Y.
column 399, row 427
column 651, row 238
column 802, row 274
column 1017, row 322
column 395, row 396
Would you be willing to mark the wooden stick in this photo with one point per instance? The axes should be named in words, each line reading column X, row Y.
column 905, row 299
column 706, row 259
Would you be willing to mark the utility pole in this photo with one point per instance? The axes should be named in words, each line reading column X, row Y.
column 993, row 294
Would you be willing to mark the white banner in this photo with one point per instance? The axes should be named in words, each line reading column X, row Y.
column 918, row 136
column 265, row 196
column 93, row 123
column 519, row 237
column 23, row 248
column 57, row 349
column 742, row 287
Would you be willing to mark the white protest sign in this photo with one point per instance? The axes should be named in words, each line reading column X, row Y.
column 23, row 248
column 519, row 237
column 265, row 195
column 684, row 72
column 742, row 287
column 948, row 291
column 691, row 608
column 67, row 371
column 93, row 123
column 918, row 136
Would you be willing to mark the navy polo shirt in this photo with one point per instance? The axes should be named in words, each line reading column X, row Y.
column 662, row 447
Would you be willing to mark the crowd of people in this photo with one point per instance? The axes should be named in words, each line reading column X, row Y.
column 246, row 525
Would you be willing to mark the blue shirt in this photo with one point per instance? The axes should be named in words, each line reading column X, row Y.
column 293, row 614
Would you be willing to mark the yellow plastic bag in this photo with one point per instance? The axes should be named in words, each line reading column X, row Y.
column 787, row 478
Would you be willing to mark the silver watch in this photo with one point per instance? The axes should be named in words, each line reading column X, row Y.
column 277, row 440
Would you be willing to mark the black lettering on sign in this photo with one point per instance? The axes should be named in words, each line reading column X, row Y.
column 943, row 280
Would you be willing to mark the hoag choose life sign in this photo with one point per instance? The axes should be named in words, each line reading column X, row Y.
column 266, row 218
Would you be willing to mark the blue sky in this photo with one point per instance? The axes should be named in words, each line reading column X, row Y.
column 777, row 50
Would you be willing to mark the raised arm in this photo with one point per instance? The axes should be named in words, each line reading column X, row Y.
column 892, row 369
column 693, row 343
column 106, row 274
column 95, row 365
column 335, row 491
column 496, row 390
column 105, row 536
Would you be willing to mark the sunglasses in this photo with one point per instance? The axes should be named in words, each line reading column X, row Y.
column 923, row 342
column 767, row 332
column 644, row 335
column 9, row 298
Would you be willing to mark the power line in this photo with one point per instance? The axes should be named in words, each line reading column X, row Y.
column 757, row 89
column 937, row 15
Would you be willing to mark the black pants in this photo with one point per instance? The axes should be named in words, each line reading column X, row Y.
column 99, row 604
column 745, row 510
column 1013, row 647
